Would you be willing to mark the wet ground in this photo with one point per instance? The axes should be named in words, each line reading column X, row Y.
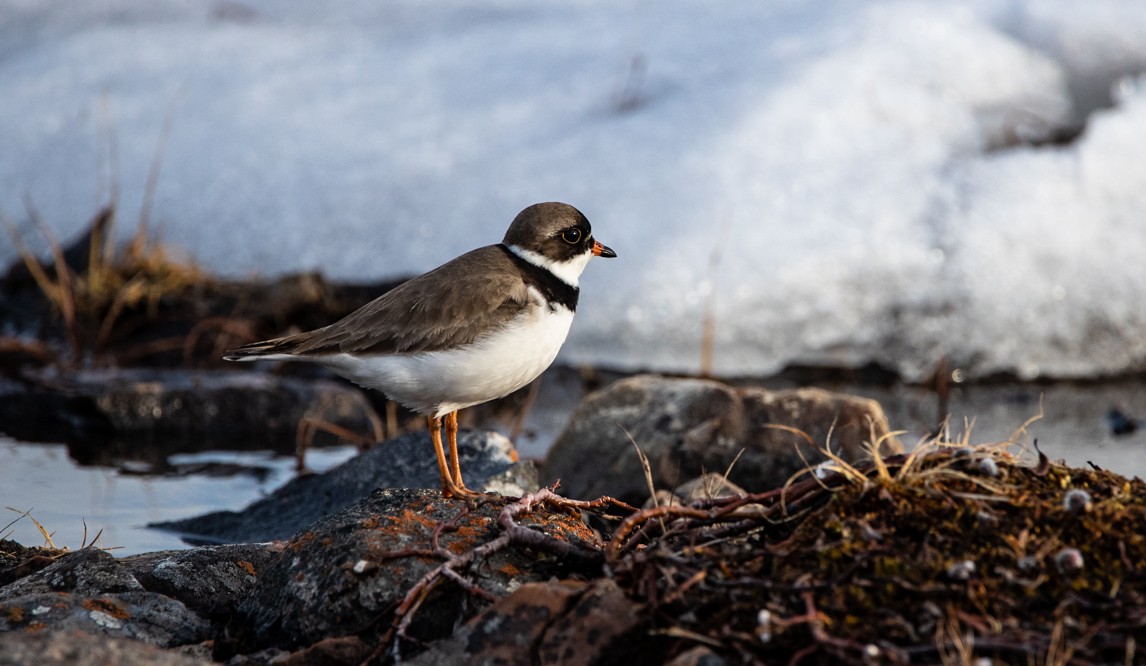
column 123, row 497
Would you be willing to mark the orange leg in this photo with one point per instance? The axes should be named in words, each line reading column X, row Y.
column 452, row 442
column 435, row 425
column 450, row 486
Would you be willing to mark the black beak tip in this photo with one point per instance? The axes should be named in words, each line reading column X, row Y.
column 607, row 252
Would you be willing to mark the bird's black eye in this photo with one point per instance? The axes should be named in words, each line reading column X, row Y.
column 572, row 235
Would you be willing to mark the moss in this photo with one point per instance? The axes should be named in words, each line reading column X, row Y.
column 913, row 562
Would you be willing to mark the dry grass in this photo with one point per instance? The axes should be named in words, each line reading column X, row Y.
column 91, row 301
column 26, row 514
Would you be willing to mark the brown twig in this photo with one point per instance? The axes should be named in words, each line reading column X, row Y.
column 512, row 534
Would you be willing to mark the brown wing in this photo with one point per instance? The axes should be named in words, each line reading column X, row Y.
column 451, row 305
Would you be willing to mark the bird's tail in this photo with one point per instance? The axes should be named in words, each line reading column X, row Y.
column 256, row 350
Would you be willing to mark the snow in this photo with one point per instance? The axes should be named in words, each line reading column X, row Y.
column 839, row 182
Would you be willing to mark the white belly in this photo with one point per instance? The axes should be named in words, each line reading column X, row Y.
column 441, row 382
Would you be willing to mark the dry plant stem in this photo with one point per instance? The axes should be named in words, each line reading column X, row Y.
column 708, row 334
column 227, row 331
column 711, row 511
column 530, row 399
column 539, row 540
column 109, row 160
column 453, row 564
column 62, row 291
column 138, row 244
column 627, row 526
column 309, row 426
column 35, row 268
column 833, row 645
column 302, row 436
column 128, row 293
column 375, row 428
column 645, row 466
column 391, row 418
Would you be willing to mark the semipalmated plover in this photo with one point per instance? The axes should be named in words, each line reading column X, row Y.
column 472, row 330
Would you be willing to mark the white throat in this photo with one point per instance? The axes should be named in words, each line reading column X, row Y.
column 568, row 271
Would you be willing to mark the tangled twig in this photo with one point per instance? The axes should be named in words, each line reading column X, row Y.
column 453, row 565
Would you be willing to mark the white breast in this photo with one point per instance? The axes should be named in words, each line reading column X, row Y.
column 493, row 366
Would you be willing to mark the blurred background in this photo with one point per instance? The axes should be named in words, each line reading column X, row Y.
column 927, row 193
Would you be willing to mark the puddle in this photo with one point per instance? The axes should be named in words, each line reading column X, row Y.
column 63, row 495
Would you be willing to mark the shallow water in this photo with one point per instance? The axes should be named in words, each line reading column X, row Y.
column 1073, row 425
column 62, row 495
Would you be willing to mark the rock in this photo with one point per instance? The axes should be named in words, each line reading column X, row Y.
column 85, row 572
column 346, row 574
column 488, row 461
column 210, row 580
column 341, row 651
column 144, row 616
column 91, row 591
column 65, row 648
column 697, row 656
column 556, row 622
column 688, row 427
column 17, row 561
column 201, row 409
column 707, row 486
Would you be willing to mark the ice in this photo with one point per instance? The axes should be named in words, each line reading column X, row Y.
column 835, row 182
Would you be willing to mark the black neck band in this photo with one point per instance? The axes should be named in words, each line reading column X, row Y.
column 553, row 288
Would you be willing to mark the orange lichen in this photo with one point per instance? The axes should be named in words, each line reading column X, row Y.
column 302, row 542
column 107, row 606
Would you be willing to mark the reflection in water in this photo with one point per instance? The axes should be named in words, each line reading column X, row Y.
column 63, row 496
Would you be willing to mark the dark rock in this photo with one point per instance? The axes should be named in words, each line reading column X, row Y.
column 200, row 409
column 86, row 572
column 211, row 580
column 16, row 353
column 17, row 561
column 346, row 574
column 66, row 648
column 556, row 622
column 487, row 461
column 600, row 616
column 91, row 591
column 688, row 427
column 267, row 657
column 143, row 616
column 341, row 651
column 705, row 487
column 1120, row 423
column 697, row 656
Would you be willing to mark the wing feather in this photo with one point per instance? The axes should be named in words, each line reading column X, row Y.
column 451, row 305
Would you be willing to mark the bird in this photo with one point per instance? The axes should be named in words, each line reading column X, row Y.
column 474, row 329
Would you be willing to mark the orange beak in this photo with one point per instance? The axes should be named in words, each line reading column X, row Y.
column 602, row 251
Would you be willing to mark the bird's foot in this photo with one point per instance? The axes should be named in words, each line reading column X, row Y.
column 461, row 492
